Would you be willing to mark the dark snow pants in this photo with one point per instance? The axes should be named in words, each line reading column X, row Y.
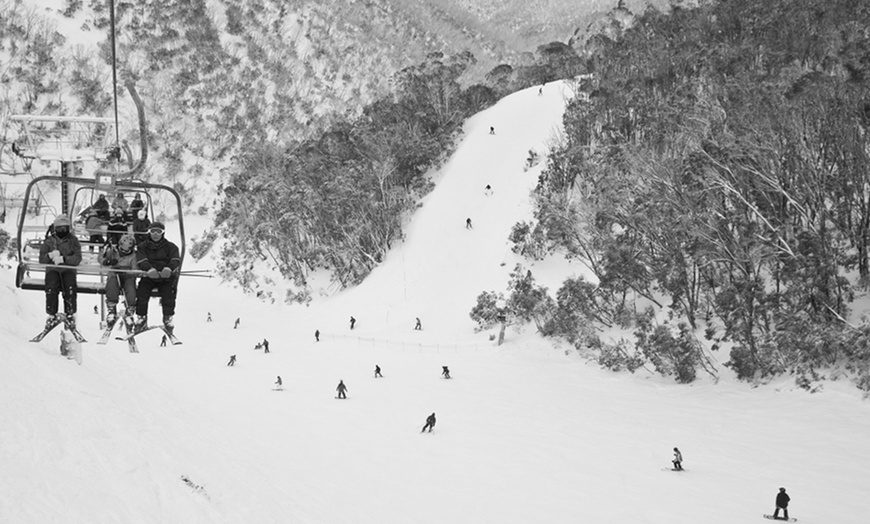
column 60, row 282
column 166, row 289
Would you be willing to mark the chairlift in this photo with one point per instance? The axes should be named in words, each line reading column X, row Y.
column 78, row 194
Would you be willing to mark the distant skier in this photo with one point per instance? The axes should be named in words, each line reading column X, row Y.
column 491, row 130
column 342, row 389
column 678, row 460
column 418, row 326
column 352, row 322
column 232, row 361
column 236, row 324
column 782, row 500
column 96, row 310
column 430, row 423
column 445, row 372
column 541, row 90
column 378, row 371
column 317, row 335
column 468, row 224
column 487, row 190
column 163, row 341
column 279, row 383
column 265, row 346
column 208, row 318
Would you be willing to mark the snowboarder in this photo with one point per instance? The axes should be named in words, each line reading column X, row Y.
column 122, row 256
column 468, row 224
column 445, row 372
column 163, row 341
column 279, row 382
column 352, row 322
column 208, row 318
column 378, row 371
column 236, row 323
column 317, row 335
column 418, row 326
column 491, row 130
column 160, row 260
column 341, row 389
column 430, row 423
column 782, row 500
column 678, row 460
column 61, row 248
column 232, row 361
column 265, row 346
column 487, row 190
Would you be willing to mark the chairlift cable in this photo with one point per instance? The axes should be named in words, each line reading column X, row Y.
column 114, row 70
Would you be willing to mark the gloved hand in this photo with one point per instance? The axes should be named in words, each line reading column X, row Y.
column 53, row 254
column 165, row 272
column 153, row 273
column 58, row 260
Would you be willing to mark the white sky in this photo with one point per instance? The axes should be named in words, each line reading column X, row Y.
column 525, row 433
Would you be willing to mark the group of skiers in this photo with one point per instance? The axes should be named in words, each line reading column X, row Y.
column 782, row 498
column 153, row 260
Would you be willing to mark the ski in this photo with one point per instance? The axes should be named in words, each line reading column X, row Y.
column 71, row 327
column 136, row 332
column 46, row 331
column 107, row 333
column 171, row 335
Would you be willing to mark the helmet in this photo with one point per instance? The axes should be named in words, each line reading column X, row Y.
column 157, row 225
column 126, row 243
column 62, row 220
column 141, row 214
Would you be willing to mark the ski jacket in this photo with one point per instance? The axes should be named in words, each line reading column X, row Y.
column 111, row 256
column 157, row 255
column 68, row 246
column 678, row 457
column 782, row 500
column 430, row 420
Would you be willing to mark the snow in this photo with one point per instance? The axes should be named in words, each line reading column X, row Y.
column 526, row 432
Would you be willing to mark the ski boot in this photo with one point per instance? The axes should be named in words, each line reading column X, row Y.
column 69, row 321
column 168, row 325
column 52, row 321
column 140, row 323
column 111, row 314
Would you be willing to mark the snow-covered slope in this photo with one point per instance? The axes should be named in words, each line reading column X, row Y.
column 525, row 433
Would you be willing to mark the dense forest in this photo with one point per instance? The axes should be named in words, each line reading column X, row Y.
column 718, row 174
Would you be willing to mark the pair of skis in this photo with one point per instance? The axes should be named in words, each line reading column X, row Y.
column 136, row 332
column 58, row 320
column 128, row 325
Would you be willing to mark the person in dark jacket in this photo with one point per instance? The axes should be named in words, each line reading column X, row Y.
column 160, row 260
column 678, row 460
column 445, row 372
column 136, row 204
column 141, row 224
column 342, row 389
column 378, row 371
column 61, row 248
column 102, row 207
column 782, row 500
column 430, row 423
column 117, row 226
